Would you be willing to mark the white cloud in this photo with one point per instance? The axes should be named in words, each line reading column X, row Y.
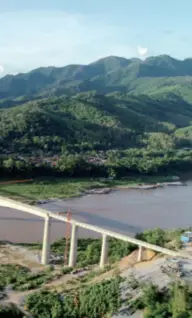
column 1, row 69
column 32, row 39
column 142, row 50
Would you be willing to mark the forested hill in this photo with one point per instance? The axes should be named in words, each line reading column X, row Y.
column 154, row 75
column 92, row 121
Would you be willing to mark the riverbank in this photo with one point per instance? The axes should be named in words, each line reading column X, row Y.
column 57, row 188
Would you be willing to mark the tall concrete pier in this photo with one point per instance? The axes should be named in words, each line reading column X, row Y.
column 140, row 254
column 73, row 247
column 46, row 241
column 104, row 251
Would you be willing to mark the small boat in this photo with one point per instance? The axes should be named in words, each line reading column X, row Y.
column 176, row 183
column 99, row 191
column 145, row 186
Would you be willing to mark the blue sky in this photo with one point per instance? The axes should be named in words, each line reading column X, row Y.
column 59, row 32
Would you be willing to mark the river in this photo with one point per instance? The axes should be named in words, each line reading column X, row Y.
column 125, row 211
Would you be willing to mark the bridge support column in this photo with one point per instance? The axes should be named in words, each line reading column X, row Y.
column 140, row 254
column 73, row 247
column 46, row 241
column 104, row 251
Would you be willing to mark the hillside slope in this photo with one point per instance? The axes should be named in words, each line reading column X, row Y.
column 90, row 121
column 162, row 73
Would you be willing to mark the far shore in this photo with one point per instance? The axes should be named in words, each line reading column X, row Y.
column 39, row 191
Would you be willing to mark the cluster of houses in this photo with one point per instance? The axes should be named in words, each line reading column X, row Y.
column 52, row 160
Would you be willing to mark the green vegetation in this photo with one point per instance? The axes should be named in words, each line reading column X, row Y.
column 21, row 278
column 171, row 302
column 10, row 274
column 93, row 301
column 163, row 238
column 89, row 121
column 47, row 188
column 129, row 117
column 91, row 135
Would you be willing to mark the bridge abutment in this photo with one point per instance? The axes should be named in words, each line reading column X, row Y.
column 104, row 251
column 46, row 241
column 73, row 246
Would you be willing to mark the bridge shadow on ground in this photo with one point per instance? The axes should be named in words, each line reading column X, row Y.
column 110, row 224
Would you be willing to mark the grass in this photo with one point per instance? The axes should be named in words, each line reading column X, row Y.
column 49, row 188
column 40, row 189
column 22, row 279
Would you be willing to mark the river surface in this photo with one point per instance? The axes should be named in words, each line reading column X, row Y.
column 125, row 211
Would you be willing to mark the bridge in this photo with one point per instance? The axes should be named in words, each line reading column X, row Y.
column 49, row 216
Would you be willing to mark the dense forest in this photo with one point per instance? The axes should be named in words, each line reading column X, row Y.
column 124, row 134
column 116, row 117
column 90, row 121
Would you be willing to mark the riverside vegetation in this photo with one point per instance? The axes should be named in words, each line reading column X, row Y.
column 46, row 188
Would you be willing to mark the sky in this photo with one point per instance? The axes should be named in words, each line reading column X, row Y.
column 60, row 32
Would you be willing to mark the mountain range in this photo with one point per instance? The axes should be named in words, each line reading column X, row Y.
column 111, row 103
column 153, row 75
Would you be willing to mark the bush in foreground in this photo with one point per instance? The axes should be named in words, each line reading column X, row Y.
column 93, row 301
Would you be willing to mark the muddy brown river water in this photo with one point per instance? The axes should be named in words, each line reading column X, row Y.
column 125, row 211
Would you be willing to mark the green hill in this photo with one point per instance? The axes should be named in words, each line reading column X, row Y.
column 91, row 121
column 155, row 74
column 111, row 103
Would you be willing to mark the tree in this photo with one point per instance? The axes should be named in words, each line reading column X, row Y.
column 150, row 295
column 179, row 306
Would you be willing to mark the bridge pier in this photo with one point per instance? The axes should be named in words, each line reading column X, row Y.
column 104, row 251
column 140, row 254
column 73, row 247
column 46, row 241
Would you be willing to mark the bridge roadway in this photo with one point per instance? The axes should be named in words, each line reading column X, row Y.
column 6, row 202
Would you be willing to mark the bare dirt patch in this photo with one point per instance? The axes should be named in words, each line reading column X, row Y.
column 11, row 254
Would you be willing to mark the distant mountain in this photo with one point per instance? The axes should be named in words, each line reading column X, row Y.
column 154, row 75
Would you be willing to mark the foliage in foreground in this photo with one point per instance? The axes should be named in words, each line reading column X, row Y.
column 93, row 301
column 172, row 302
column 21, row 278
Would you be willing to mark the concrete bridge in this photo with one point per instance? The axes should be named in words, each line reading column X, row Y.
column 48, row 216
